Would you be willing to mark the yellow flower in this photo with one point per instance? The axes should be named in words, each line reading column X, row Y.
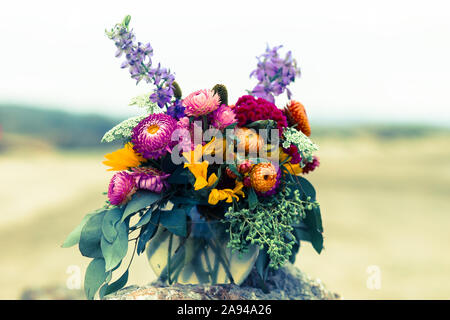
column 196, row 155
column 123, row 159
column 293, row 169
column 217, row 195
column 200, row 170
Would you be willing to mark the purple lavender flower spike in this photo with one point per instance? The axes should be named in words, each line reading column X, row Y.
column 274, row 74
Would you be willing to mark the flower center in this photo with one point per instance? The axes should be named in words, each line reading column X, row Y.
column 153, row 129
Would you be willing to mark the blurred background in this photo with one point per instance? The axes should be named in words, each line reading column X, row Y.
column 375, row 83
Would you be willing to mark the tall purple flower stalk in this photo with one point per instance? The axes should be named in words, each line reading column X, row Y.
column 274, row 74
column 138, row 60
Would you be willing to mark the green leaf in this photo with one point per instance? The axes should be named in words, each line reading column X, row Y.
column 141, row 199
column 262, row 263
column 95, row 276
column 315, row 229
column 252, row 199
column 74, row 237
column 114, row 252
column 175, row 221
column 108, row 225
column 180, row 176
column 144, row 219
column 115, row 286
column 91, row 235
column 148, row 232
column 307, row 188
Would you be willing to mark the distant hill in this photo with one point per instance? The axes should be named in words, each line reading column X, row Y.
column 69, row 130
column 61, row 129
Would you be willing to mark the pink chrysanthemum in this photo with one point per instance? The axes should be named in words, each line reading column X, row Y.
column 150, row 179
column 121, row 188
column 310, row 166
column 223, row 117
column 248, row 109
column 201, row 102
column 152, row 136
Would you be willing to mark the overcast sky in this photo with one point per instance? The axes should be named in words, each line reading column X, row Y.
column 360, row 60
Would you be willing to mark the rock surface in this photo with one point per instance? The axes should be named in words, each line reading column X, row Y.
column 288, row 283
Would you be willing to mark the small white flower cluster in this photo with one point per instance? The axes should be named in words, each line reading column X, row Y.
column 123, row 130
column 143, row 101
column 305, row 146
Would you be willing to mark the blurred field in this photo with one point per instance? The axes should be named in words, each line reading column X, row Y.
column 385, row 202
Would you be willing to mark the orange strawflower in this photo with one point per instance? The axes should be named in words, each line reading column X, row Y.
column 296, row 114
column 263, row 177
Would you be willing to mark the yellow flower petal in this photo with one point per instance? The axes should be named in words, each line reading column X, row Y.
column 123, row 159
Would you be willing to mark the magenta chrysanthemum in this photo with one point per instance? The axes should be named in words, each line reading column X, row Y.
column 310, row 166
column 201, row 102
column 223, row 117
column 248, row 109
column 150, row 179
column 152, row 136
column 121, row 188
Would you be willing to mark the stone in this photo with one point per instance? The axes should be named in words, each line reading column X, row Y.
column 287, row 283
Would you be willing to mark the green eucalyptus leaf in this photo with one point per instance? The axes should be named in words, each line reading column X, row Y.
column 115, row 286
column 91, row 235
column 262, row 264
column 307, row 189
column 144, row 219
column 148, row 231
column 108, row 225
column 114, row 252
column 174, row 221
column 252, row 199
column 141, row 199
column 74, row 237
column 95, row 276
column 313, row 221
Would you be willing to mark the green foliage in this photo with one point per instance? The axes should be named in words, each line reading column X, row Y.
column 174, row 221
column 114, row 251
column 141, row 199
column 74, row 237
column 148, row 231
column 115, row 286
column 95, row 276
column 222, row 91
column 91, row 235
column 109, row 224
column 269, row 224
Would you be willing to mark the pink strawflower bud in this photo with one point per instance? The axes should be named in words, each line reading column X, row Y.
column 121, row 188
column 150, row 179
column 223, row 117
column 245, row 167
column 201, row 102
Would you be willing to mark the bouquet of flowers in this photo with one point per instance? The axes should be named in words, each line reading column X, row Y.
column 208, row 189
